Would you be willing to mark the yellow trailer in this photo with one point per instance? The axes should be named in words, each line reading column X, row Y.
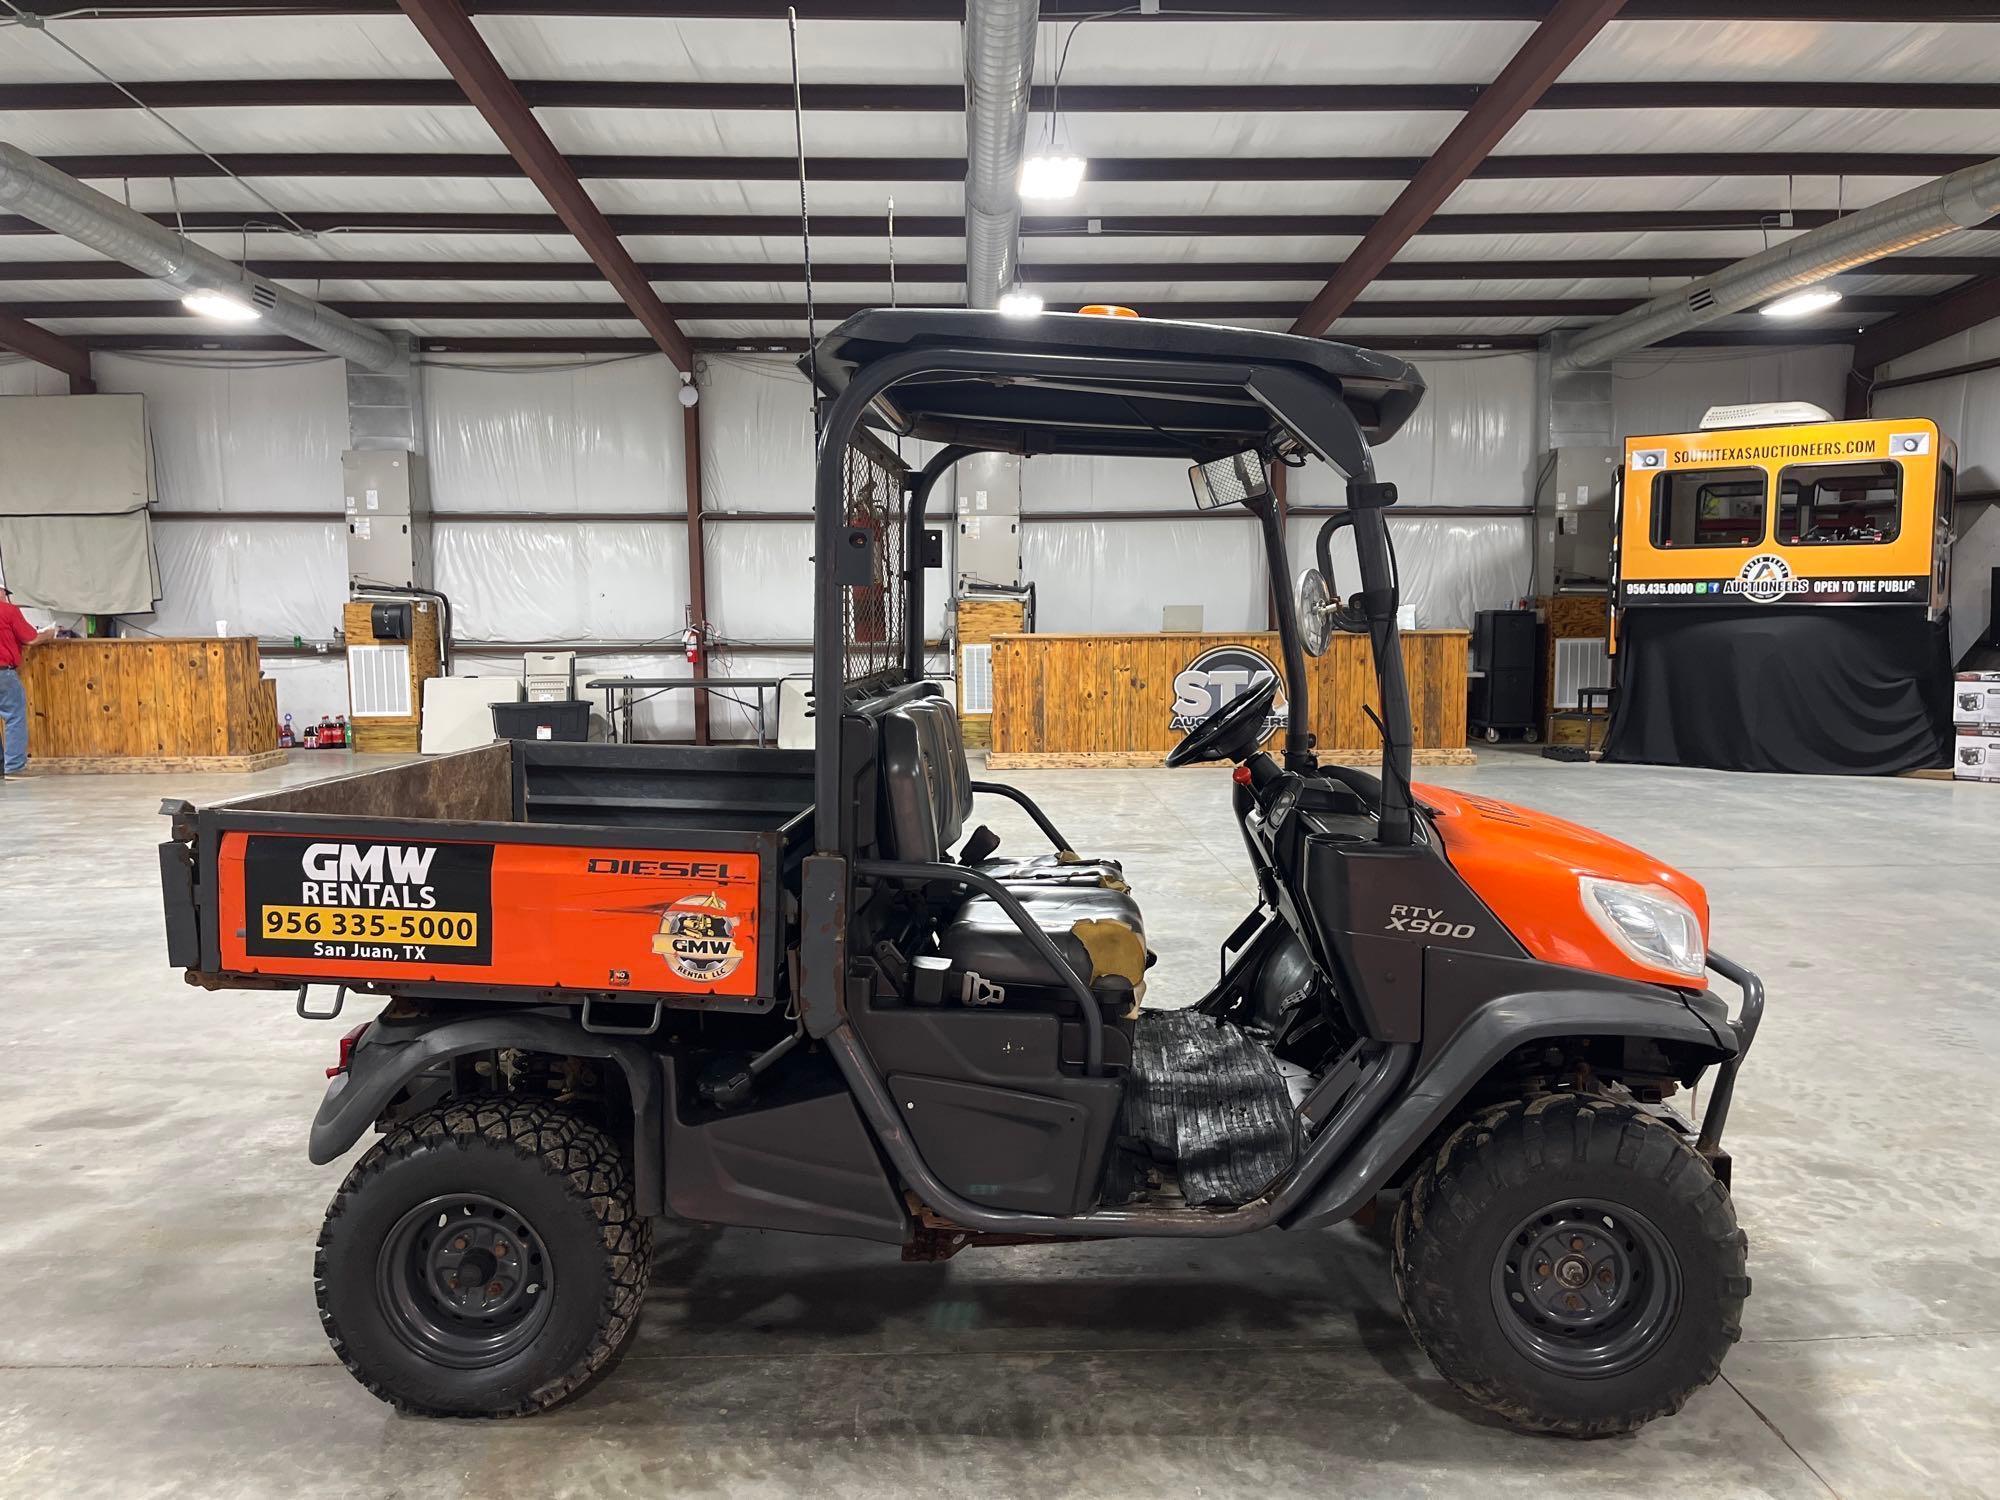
column 1813, row 512
column 1779, row 589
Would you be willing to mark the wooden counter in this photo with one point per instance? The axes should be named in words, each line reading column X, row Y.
column 150, row 705
column 1109, row 700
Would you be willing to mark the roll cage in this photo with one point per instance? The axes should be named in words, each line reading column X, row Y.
column 1064, row 384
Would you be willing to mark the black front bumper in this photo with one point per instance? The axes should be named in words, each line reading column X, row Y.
column 1745, row 1028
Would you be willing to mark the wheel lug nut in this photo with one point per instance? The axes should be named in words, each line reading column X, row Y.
column 1573, row 1302
column 493, row 1289
column 499, row 1247
column 1576, row 1242
column 459, row 1243
column 1542, row 1269
column 1604, row 1275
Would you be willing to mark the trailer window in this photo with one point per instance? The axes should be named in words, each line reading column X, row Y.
column 1849, row 504
column 1709, row 508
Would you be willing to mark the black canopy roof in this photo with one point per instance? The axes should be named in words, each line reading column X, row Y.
column 1140, row 414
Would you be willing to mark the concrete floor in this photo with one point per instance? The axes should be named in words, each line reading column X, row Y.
column 157, row 1216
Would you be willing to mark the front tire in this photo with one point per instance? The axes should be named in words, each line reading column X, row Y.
column 484, row 1260
column 1571, row 1265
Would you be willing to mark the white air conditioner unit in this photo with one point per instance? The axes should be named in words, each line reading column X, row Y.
column 1764, row 414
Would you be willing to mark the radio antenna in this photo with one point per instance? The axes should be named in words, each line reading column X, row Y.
column 805, row 221
column 892, row 250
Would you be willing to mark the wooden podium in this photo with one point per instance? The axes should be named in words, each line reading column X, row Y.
column 1110, row 700
column 150, row 705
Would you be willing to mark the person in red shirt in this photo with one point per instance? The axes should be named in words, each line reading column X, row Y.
column 16, row 635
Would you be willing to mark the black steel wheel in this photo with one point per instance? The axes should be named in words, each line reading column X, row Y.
column 484, row 1260
column 1571, row 1264
column 1586, row 1288
column 465, row 1281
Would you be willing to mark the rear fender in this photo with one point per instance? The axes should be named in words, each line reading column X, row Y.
column 392, row 1053
column 1480, row 1043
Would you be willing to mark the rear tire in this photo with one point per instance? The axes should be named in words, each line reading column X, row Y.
column 484, row 1260
column 1571, row 1265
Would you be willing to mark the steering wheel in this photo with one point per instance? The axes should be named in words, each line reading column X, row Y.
column 1232, row 731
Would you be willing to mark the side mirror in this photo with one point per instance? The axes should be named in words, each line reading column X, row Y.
column 1230, row 481
column 1316, row 607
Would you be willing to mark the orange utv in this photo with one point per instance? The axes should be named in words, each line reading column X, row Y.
column 806, row 991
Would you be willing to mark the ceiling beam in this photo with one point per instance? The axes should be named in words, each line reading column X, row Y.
column 578, row 309
column 952, row 227
column 951, row 169
column 1554, row 44
column 1928, row 323
column 953, row 11
column 930, row 98
column 791, row 344
column 49, row 349
column 951, row 273
column 456, row 41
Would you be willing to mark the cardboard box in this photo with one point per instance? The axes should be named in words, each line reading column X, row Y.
column 1975, row 755
column 1975, row 698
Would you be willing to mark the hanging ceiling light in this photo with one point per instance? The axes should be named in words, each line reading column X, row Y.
column 220, row 306
column 1020, row 304
column 1798, row 304
column 1049, row 178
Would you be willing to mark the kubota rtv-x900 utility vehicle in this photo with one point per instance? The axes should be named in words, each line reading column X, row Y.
column 803, row 992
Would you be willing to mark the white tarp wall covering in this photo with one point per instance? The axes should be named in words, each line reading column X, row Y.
column 1471, row 443
column 26, row 377
column 1967, row 410
column 257, row 434
column 1668, row 390
column 548, row 438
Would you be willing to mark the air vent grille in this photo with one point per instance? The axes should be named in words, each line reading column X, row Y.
column 378, row 681
column 975, row 678
column 1701, row 299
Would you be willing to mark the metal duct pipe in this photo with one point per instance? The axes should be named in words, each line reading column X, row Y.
column 1961, row 201
column 999, row 67
column 35, row 190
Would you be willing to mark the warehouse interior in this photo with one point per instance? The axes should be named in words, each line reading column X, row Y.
column 387, row 385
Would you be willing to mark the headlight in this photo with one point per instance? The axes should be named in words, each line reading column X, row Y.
column 1651, row 924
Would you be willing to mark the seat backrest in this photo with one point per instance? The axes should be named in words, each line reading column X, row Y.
column 951, row 778
column 909, row 787
column 927, row 782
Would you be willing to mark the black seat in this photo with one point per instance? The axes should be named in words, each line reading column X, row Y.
column 932, row 744
column 1083, row 905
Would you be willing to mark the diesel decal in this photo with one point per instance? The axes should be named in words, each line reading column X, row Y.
column 376, row 902
column 671, row 869
column 1427, row 921
column 697, row 938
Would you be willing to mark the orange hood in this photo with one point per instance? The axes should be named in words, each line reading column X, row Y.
column 1524, row 865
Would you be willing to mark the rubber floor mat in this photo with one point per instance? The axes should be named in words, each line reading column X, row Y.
column 1208, row 1099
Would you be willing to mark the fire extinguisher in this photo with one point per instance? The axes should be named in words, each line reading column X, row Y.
column 691, row 645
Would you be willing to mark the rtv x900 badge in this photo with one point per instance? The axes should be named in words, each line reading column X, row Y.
column 1428, row 921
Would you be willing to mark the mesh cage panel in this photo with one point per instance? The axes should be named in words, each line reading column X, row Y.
column 872, row 614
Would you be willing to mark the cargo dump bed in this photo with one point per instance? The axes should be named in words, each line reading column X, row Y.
column 526, row 870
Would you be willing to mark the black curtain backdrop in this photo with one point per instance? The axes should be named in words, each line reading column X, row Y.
column 1821, row 689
